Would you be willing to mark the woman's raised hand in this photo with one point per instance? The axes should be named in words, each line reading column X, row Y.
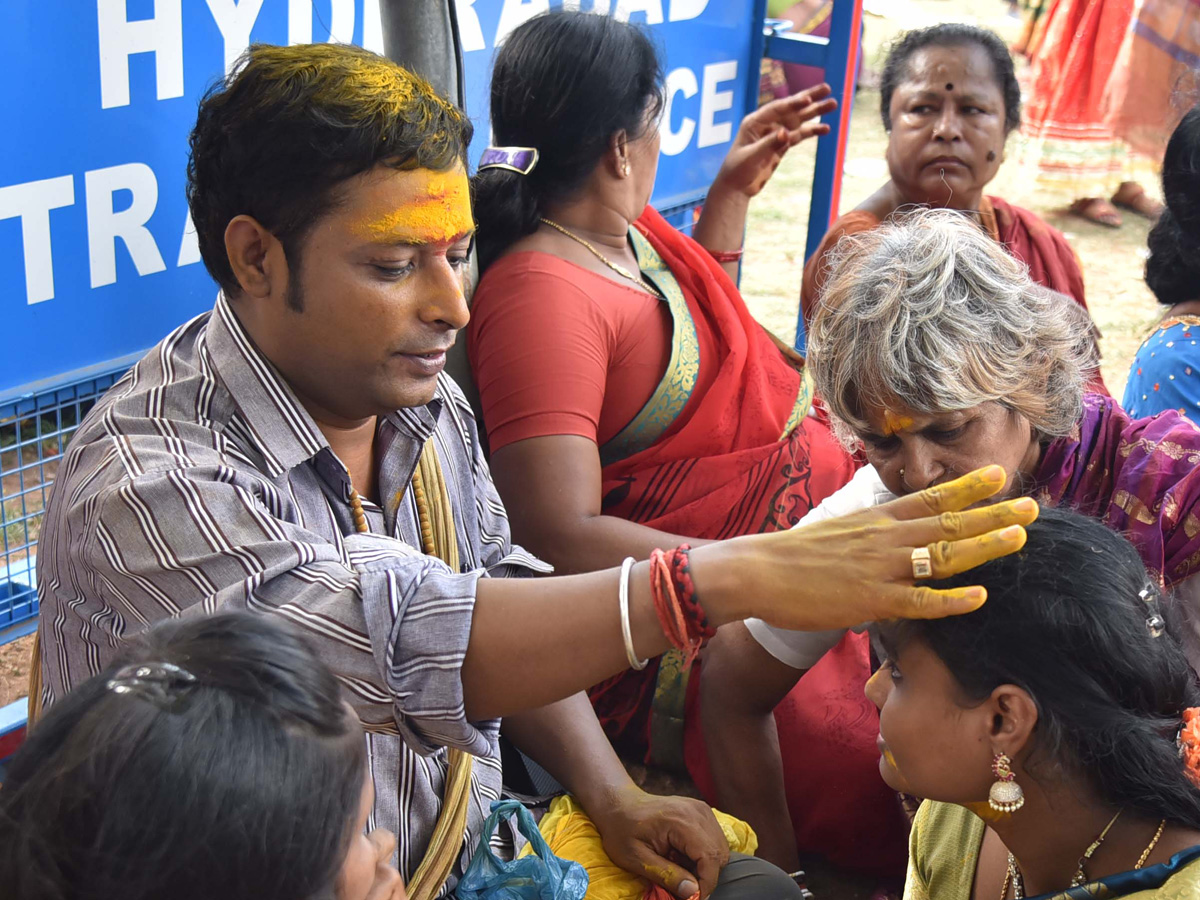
column 859, row 567
column 768, row 133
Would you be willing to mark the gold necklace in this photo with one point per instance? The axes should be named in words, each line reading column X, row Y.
column 1153, row 843
column 619, row 269
column 1013, row 875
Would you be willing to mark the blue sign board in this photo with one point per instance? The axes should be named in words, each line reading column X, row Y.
column 705, row 47
column 98, row 259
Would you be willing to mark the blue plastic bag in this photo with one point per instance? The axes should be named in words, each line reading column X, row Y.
column 539, row 876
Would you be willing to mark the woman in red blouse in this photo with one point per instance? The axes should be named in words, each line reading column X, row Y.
column 631, row 400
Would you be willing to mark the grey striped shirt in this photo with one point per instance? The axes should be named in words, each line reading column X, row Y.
column 199, row 482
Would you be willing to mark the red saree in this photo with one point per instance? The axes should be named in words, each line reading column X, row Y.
column 1071, row 146
column 741, row 457
column 738, row 459
column 1051, row 261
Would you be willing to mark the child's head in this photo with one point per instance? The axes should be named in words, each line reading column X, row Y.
column 1065, row 669
column 216, row 759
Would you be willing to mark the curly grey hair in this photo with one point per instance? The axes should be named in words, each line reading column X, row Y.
column 930, row 313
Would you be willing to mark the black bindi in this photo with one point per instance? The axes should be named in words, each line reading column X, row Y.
column 949, row 86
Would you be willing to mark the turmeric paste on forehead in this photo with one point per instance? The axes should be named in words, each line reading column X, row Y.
column 439, row 211
column 893, row 423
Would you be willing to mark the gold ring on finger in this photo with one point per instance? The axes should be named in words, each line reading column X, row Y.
column 922, row 564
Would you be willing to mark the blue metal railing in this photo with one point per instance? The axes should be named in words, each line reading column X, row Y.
column 838, row 56
column 36, row 424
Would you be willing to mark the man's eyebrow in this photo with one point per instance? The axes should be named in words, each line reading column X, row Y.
column 401, row 240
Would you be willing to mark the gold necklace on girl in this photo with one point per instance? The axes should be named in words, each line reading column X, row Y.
column 1014, row 877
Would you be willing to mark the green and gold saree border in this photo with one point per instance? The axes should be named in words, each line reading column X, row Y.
column 683, row 370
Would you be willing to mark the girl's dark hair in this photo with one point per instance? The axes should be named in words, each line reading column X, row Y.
column 564, row 83
column 1064, row 620
column 951, row 34
column 1173, row 267
column 243, row 784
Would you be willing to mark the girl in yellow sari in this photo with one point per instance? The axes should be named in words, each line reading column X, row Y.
column 1053, row 731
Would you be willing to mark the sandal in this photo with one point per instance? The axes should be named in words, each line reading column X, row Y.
column 1137, row 201
column 1096, row 209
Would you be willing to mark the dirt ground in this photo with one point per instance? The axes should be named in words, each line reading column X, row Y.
column 14, row 669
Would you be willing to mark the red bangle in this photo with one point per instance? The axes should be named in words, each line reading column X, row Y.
column 726, row 256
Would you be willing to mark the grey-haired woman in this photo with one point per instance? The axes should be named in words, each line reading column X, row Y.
column 936, row 353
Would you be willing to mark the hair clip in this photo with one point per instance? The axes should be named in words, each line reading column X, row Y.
column 1156, row 625
column 521, row 160
column 158, row 682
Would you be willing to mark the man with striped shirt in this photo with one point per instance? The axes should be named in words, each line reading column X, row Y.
column 262, row 457
column 330, row 199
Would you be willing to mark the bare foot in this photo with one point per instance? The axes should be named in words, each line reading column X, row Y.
column 1133, row 197
column 1096, row 209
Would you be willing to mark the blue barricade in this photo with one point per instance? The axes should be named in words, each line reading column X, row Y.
column 96, row 245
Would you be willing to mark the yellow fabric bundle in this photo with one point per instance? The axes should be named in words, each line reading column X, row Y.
column 571, row 835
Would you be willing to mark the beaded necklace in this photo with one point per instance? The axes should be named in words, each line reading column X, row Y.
column 360, row 517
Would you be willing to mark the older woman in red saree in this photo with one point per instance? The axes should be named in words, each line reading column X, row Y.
column 949, row 101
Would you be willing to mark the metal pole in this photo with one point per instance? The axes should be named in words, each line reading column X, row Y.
column 422, row 35
column 841, row 72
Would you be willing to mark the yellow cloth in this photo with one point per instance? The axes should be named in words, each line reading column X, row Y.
column 438, row 539
column 571, row 835
column 944, row 851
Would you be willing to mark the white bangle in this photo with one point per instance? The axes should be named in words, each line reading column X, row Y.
column 626, row 632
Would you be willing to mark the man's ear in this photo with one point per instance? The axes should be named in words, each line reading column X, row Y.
column 256, row 257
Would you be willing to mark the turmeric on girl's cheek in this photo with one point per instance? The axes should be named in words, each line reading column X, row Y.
column 440, row 212
column 901, row 782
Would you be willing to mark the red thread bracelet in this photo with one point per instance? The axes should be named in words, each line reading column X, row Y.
column 681, row 571
column 678, row 624
column 726, row 256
